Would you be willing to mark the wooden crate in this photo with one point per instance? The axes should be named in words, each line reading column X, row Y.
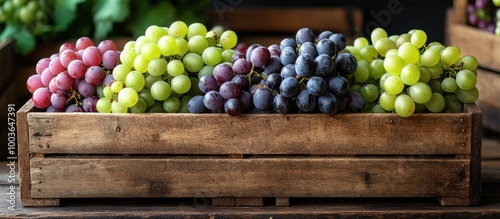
column 269, row 25
column 485, row 47
column 238, row 161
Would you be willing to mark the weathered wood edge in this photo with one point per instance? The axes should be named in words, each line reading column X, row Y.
column 475, row 164
column 24, row 160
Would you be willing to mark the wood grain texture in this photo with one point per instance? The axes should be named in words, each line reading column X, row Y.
column 273, row 177
column 24, row 161
column 475, row 188
column 342, row 134
column 488, row 84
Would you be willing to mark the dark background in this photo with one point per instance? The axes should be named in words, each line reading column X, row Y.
column 415, row 14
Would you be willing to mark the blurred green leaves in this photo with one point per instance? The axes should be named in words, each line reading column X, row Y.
column 100, row 19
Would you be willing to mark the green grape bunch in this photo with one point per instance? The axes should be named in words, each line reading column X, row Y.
column 405, row 74
column 160, row 70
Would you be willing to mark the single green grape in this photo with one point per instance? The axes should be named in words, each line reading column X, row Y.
column 377, row 34
column 103, row 105
column 436, row 104
column 466, row 79
column 175, row 68
column 387, row 101
column 128, row 97
column 171, row 105
column 135, row 80
column 450, row 55
column 404, row 105
column 157, row 67
column 420, row 92
column 178, row 29
column 393, row 85
column 167, row 45
column 196, row 29
column 228, row 39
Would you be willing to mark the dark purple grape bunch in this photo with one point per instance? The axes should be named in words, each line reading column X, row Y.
column 482, row 14
column 314, row 74
column 69, row 81
column 305, row 74
column 224, row 91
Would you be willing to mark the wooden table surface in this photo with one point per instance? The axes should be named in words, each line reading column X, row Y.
column 300, row 208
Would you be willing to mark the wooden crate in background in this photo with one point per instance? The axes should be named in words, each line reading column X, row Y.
column 485, row 47
column 240, row 160
column 268, row 26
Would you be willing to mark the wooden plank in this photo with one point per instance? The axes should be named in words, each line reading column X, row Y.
column 460, row 11
column 227, row 201
column 488, row 84
column 301, row 208
column 282, row 202
column 273, row 177
column 249, row 202
column 24, row 161
column 342, row 134
column 289, row 19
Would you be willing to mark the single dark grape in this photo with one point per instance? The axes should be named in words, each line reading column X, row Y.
column 196, row 105
column 260, row 56
column 288, row 42
column 346, row 63
column 316, row 86
column 74, row 109
column 89, row 104
column 308, row 48
column 263, row 98
column 223, row 72
column 289, row 87
column 306, row 101
column 242, row 66
column 245, row 99
column 274, row 50
column 241, row 81
column 355, row 103
column 282, row 104
column 288, row 71
column 288, row 56
column 326, row 46
column 213, row 100
column 303, row 35
column 237, row 56
column 273, row 66
column 327, row 103
column 324, row 35
column 229, row 90
column 250, row 49
column 273, row 81
column 304, row 65
column 338, row 86
column 207, row 83
column 233, row 107
column 324, row 66
column 339, row 40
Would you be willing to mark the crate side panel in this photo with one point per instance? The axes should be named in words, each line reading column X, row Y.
column 273, row 177
column 85, row 133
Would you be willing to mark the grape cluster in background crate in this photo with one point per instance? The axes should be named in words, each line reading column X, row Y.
column 484, row 15
column 184, row 69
